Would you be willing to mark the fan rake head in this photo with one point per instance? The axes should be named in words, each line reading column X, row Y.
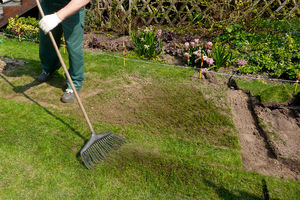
column 98, row 146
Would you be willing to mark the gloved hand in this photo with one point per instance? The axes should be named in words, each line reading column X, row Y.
column 49, row 22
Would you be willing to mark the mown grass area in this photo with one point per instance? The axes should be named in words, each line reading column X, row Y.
column 181, row 142
column 278, row 92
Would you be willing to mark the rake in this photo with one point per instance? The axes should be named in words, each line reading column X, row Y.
column 99, row 144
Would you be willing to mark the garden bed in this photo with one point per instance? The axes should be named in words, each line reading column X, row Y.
column 112, row 42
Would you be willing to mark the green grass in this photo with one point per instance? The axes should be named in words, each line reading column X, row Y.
column 180, row 143
column 279, row 92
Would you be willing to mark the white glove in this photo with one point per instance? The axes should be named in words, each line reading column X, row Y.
column 49, row 22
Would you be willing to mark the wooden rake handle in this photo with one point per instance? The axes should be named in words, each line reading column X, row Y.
column 66, row 71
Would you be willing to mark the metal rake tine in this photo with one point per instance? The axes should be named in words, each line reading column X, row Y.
column 100, row 151
column 94, row 156
column 119, row 139
column 91, row 161
column 114, row 144
column 87, row 160
column 98, row 155
column 83, row 158
column 115, row 141
column 105, row 146
column 112, row 138
column 108, row 143
column 99, row 146
column 94, row 153
column 91, row 156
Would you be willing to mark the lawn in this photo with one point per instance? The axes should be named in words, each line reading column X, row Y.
column 181, row 139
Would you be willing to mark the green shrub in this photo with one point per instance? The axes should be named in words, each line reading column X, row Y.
column 276, row 57
column 274, row 52
column 27, row 28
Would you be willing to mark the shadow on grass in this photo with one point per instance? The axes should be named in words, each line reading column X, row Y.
column 17, row 67
column 22, row 89
column 225, row 193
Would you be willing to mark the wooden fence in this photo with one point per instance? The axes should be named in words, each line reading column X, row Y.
column 120, row 13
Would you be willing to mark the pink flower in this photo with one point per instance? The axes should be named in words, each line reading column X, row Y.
column 159, row 32
column 204, row 69
column 186, row 55
column 242, row 62
column 205, row 58
column 22, row 33
column 202, row 45
column 199, row 53
column 192, row 44
column 210, row 61
column 209, row 51
column 186, row 45
column 209, row 45
column 196, row 41
column 150, row 28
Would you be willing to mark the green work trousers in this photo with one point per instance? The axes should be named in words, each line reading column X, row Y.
column 73, row 30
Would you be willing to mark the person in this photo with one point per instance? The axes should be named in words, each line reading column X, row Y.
column 63, row 17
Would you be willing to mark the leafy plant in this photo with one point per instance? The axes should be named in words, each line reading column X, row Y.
column 221, row 56
column 94, row 43
column 279, row 60
column 274, row 52
column 147, row 42
column 26, row 27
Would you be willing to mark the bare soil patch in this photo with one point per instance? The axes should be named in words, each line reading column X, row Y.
column 269, row 133
column 8, row 66
column 258, row 147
